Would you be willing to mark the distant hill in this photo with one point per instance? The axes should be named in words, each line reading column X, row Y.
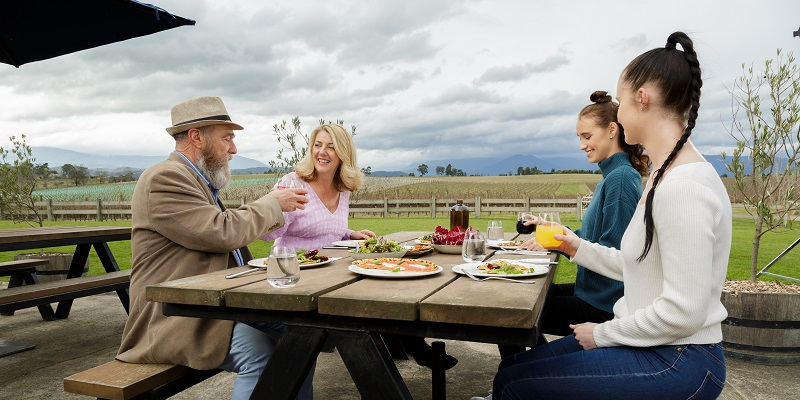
column 56, row 157
column 493, row 166
column 390, row 173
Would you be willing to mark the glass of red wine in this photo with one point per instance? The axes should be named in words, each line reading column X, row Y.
column 522, row 218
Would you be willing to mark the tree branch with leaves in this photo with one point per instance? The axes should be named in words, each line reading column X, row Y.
column 767, row 132
column 18, row 182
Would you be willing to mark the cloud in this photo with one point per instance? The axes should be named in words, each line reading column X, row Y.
column 519, row 72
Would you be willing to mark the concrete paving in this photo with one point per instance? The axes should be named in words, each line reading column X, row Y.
column 91, row 335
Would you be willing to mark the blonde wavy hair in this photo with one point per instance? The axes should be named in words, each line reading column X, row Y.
column 348, row 176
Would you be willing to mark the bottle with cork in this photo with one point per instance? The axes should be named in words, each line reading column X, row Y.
column 459, row 216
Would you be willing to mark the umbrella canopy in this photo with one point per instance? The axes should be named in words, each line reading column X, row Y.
column 33, row 30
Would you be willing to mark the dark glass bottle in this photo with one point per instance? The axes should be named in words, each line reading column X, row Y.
column 459, row 216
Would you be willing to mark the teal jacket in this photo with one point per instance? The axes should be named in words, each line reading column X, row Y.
column 612, row 206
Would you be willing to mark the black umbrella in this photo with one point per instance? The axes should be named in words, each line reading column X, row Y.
column 33, row 30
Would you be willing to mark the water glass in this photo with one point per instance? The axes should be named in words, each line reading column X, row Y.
column 283, row 268
column 548, row 225
column 474, row 247
column 494, row 231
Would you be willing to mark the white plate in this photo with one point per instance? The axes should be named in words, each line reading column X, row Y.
column 260, row 262
column 417, row 241
column 524, row 252
column 380, row 273
column 538, row 269
column 346, row 243
column 495, row 244
column 410, row 252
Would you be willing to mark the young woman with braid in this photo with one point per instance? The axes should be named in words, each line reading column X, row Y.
column 664, row 340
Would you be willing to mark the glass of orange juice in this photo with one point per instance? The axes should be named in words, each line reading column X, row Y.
column 548, row 225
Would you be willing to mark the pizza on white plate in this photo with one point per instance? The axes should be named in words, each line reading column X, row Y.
column 396, row 264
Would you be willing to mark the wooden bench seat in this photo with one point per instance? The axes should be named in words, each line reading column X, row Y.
column 16, row 266
column 119, row 380
column 42, row 294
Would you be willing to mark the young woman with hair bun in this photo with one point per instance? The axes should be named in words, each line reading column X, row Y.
column 592, row 296
column 664, row 340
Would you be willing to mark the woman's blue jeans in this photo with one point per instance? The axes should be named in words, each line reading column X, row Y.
column 251, row 348
column 561, row 369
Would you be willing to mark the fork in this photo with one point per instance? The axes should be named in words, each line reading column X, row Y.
column 475, row 278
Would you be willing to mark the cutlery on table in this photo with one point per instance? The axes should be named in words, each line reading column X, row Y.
column 242, row 273
column 475, row 278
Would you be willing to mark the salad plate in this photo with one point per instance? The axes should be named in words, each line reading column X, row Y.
column 262, row 262
column 524, row 269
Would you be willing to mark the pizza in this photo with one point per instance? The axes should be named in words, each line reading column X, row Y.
column 396, row 264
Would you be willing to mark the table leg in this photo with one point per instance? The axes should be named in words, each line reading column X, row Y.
column 438, row 381
column 75, row 270
column 106, row 258
column 110, row 265
column 295, row 354
column 372, row 368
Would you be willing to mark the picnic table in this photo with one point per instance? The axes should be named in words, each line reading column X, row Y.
column 84, row 238
column 331, row 302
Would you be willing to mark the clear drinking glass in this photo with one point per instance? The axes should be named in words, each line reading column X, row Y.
column 283, row 269
column 474, row 247
column 549, row 224
column 494, row 231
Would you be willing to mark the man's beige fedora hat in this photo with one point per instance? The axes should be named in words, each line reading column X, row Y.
column 200, row 111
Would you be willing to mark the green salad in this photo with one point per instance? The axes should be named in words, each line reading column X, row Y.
column 379, row 245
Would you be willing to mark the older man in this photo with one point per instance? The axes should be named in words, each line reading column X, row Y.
column 180, row 229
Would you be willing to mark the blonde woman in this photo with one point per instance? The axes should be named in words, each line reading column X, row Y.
column 329, row 173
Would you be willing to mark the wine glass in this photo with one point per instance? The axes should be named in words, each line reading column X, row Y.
column 522, row 218
column 288, row 182
column 283, row 268
column 549, row 224
column 474, row 247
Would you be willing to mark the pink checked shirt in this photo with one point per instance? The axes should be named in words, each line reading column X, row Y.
column 315, row 226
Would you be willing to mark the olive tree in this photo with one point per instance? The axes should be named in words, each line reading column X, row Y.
column 766, row 126
column 17, row 183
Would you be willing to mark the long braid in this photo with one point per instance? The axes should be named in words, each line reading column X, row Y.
column 694, row 97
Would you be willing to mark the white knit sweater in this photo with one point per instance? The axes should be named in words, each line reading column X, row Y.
column 673, row 295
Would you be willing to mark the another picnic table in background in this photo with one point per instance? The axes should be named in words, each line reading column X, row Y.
column 40, row 295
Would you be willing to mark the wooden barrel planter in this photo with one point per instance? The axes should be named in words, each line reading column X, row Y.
column 56, row 269
column 762, row 328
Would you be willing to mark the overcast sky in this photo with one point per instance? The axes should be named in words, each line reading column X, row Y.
column 421, row 79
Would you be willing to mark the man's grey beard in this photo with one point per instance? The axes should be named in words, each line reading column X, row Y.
column 217, row 172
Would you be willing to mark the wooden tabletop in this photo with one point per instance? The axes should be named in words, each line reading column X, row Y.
column 331, row 289
column 52, row 236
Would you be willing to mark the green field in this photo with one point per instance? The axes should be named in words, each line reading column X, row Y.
column 771, row 245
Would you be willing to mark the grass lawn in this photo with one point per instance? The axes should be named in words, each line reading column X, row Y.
column 739, row 266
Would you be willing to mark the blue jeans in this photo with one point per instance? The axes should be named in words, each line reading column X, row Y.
column 561, row 369
column 251, row 348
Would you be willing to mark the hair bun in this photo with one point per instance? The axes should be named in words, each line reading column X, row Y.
column 600, row 97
